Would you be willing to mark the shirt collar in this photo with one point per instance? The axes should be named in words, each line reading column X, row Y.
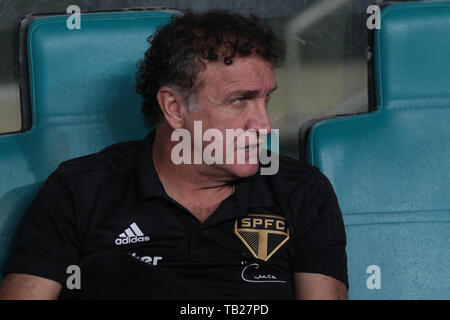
column 254, row 192
column 250, row 192
column 148, row 181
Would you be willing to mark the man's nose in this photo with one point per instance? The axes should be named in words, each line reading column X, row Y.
column 259, row 118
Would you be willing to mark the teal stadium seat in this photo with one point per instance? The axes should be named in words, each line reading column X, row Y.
column 79, row 92
column 391, row 168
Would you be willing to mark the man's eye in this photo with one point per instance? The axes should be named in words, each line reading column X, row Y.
column 239, row 100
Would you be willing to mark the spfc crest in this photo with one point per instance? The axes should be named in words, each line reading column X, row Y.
column 262, row 234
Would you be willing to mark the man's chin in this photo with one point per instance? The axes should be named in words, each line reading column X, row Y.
column 244, row 170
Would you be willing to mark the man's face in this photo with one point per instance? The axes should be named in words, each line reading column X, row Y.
column 235, row 97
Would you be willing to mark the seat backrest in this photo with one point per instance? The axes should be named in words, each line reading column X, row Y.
column 82, row 98
column 391, row 168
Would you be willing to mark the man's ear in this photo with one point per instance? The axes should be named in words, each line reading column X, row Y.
column 172, row 106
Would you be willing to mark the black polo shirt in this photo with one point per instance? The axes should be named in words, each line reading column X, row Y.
column 109, row 215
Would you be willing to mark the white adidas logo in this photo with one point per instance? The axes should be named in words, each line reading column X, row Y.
column 131, row 235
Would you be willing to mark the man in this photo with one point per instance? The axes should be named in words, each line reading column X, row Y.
column 136, row 224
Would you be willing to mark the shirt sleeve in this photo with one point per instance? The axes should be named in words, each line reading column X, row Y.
column 48, row 241
column 320, row 240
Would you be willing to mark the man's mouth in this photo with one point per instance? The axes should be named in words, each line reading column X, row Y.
column 252, row 146
column 249, row 147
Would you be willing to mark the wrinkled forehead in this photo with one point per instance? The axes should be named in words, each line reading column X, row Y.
column 251, row 71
